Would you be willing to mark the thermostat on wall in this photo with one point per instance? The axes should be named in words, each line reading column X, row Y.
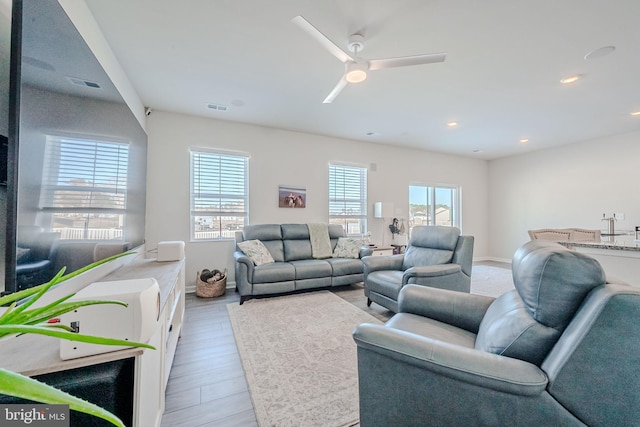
column 171, row 251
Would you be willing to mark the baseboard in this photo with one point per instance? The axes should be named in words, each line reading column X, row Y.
column 191, row 289
column 494, row 259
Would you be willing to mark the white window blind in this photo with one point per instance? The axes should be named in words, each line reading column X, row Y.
column 84, row 188
column 348, row 197
column 84, row 176
column 219, row 194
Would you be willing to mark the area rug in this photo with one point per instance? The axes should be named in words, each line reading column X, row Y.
column 491, row 281
column 299, row 358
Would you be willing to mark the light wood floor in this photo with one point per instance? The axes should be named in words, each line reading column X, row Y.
column 207, row 386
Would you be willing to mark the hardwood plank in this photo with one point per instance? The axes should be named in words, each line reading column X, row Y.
column 207, row 386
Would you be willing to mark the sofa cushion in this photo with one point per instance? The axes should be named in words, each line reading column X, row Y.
column 345, row 266
column 276, row 272
column 347, row 247
column 257, row 251
column 270, row 235
column 431, row 328
column 295, row 250
column 311, row 268
column 385, row 282
column 507, row 329
column 295, row 232
column 262, row 232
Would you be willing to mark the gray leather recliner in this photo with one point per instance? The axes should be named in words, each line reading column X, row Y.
column 436, row 256
column 563, row 348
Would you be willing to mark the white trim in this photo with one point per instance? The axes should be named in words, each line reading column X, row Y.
column 220, row 151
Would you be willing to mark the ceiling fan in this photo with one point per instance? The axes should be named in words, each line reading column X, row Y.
column 356, row 68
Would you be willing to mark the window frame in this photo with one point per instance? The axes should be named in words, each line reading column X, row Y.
column 344, row 218
column 232, row 156
column 55, row 192
column 456, row 203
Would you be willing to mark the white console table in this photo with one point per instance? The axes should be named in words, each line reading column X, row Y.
column 34, row 355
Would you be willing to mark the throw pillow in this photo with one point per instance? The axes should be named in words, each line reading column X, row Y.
column 257, row 251
column 347, row 247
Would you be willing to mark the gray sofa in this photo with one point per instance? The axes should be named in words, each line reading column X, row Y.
column 562, row 349
column 294, row 268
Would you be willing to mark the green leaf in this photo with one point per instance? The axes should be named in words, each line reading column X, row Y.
column 25, row 293
column 13, row 384
column 72, row 336
column 33, row 317
column 18, row 318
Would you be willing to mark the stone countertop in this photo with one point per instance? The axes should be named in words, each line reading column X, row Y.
column 617, row 243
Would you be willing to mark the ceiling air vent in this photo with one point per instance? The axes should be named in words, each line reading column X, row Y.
column 81, row 82
column 218, row 107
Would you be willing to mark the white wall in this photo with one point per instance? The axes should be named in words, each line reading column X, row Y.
column 568, row 186
column 291, row 158
column 85, row 23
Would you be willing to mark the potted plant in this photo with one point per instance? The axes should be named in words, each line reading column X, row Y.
column 20, row 317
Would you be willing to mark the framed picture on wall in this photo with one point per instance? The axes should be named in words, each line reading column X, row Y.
column 290, row 196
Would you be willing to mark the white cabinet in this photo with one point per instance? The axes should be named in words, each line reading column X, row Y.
column 154, row 366
column 35, row 355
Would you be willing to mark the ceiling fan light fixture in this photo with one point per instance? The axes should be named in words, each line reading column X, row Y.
column 356, row 72
column 571, row 79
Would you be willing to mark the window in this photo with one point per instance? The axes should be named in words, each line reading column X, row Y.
column 84, row 188
column 434, row 205
column 219, row 194
column 348, row 198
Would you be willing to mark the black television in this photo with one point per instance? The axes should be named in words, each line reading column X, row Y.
column 4, row 141
column 76, row 163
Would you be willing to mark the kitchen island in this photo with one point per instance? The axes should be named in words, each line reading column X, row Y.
column 619, row 255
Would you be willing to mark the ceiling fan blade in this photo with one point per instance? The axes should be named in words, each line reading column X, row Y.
column 378, row 64
column 321, row 38
column 336, row 91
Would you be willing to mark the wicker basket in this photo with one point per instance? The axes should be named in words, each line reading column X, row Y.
column 211, row 288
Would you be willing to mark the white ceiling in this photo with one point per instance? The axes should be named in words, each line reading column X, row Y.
column 500, row 81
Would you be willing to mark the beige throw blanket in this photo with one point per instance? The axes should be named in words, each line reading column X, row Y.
column 320, row 242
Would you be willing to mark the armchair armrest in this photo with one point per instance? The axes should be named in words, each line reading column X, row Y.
column 455, row 308
column 450, row 362
column 241, row 258
column 428, row 271
column 365, row 251
column 387, row 262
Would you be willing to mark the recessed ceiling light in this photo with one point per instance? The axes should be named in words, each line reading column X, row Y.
column 600, row 52
column 636, row 113
column 452, row 124
column 571, row 79
column 524, row 140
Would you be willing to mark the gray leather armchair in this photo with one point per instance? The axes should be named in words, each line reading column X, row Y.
column 436, row 256
column 562, row 349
